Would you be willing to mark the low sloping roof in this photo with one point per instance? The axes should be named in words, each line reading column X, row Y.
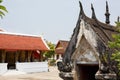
column 63, row 43
column 61, row 46
column 10, row 41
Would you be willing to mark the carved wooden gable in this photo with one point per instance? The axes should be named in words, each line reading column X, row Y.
column 96, row 34
column 86, row 44
column 84, row 52
column 87, row 47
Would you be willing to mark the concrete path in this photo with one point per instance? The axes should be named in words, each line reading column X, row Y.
column 53, row 74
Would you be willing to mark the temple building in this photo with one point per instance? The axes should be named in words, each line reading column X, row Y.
column 84, row 57
column 19, row 48
column 60, row 49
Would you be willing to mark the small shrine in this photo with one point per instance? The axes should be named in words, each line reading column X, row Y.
column 84, row 56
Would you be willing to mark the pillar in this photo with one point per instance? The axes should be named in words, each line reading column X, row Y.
column 32, row 56
column 16, row 56
column 22, row 56
column 41, row 56
column 76, row 72
column 3, row 56
column 29, row 56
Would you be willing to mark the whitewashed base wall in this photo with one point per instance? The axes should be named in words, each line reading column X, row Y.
column 31, row 67
column 3, row 68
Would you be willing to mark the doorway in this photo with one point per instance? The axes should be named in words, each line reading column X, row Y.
column 87, row 72
column 10, row 59
column 11, row 66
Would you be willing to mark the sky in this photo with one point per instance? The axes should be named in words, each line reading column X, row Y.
column 52, row 19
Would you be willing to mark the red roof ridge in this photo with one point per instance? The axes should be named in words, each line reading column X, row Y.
column 19, row 34
column 45, row 43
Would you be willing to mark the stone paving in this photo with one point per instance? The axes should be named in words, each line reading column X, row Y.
column 53, row 74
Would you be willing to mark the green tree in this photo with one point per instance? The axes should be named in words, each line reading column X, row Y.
column 115, row 45
column 2, row 9
column 49, row 54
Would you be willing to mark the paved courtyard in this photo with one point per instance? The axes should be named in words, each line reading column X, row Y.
column 14, row 75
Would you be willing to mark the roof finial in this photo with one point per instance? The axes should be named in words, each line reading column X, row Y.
column 93, row 12
column 118, row 19
column 107, row 14
column 81, row 8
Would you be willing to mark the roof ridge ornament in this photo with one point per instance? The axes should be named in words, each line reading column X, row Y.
column 107, row 14
column 81, row 9
column 93, row 12
column 118, row 19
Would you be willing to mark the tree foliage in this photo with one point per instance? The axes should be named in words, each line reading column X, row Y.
column 2, row 9
column 48, row 54
column 115, row 45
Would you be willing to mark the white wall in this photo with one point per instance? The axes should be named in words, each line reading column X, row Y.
column 31, row 67
column 3, row 68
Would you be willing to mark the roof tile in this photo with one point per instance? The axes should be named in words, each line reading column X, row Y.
column 21, row 42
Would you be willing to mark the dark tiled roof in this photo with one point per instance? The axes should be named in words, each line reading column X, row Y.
column 104, row 32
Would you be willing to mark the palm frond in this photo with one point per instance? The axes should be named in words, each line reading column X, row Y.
column 1, row 16
column 2, row 13
column 3, row 8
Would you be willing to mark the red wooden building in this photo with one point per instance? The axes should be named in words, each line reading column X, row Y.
column 60, row 48
column 21, row 48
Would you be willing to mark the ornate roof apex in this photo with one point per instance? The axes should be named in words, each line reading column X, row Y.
column 118, row 19
column 107, row 14
column 81, row 9
column 93, row 12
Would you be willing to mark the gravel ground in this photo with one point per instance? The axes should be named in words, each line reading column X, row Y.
column 53, row 74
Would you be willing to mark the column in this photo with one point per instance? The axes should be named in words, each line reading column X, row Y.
column 22, row 56
column 3, row 56
column 29, row 56
column 32, row 56
column 16, row 56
